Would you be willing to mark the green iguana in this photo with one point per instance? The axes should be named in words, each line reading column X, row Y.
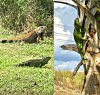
column 79, row 37
column 35, row 62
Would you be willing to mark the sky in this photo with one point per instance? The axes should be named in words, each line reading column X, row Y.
column 64, row 16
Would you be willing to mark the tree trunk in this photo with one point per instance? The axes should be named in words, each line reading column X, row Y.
column 91, row 47
column 88, row 14
column 92, row 84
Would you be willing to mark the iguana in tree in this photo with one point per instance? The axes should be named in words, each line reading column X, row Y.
column 81, row 40
column 79, row 37
column 31, row 37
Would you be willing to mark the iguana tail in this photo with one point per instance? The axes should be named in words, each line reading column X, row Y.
column 9, row 41
column 3, row 41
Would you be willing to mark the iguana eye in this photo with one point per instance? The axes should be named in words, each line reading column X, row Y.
column 42, row 27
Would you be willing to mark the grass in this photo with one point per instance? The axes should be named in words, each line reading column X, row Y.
column 67, row 78
column 25, row 80
column 66, row 84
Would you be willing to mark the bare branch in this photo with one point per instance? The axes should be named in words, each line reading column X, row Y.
column 65, row 2
column 71, row 47
column 77, row 68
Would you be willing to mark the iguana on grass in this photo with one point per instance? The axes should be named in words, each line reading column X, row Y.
column 35, row 62
column 31, row 37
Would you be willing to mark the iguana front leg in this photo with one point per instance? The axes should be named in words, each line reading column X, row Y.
column 38, row 39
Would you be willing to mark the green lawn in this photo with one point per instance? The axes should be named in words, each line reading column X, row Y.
column 26, row 80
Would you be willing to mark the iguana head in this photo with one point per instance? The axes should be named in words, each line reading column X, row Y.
column 41, row 29
column 76, row 22
column 46, row 58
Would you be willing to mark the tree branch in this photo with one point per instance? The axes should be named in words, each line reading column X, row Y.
column 77, row 68
column 65, row 2
column 86, row 10
column 71, row 47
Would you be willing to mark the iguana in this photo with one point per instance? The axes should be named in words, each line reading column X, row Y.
column 80, row 39
column 35, row 62
column 31, row 37
column 79, row 36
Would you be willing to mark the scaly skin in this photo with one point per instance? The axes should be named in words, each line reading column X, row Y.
column 35, row 62
column 79, row 39
column 78, row 36
column 31, row 37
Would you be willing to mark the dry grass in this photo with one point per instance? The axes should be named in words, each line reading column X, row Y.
column 65, row 84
